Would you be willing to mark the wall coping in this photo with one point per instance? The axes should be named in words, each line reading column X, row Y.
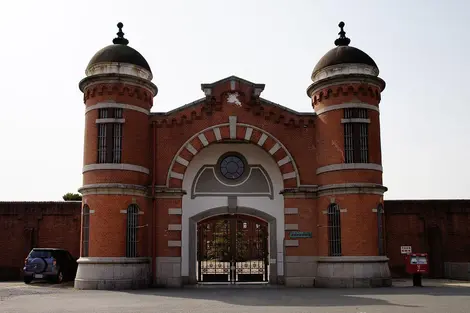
column 112, row 260
column 352, row 259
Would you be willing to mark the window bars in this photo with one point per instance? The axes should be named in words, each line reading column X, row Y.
column 131, row 233
column 110, row 136
column 85, row 230
column 380, row 229
column 334, row 230
column 356, row 147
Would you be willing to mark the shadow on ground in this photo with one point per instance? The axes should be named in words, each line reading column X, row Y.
column 305, row 297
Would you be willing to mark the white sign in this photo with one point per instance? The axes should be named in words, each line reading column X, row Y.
column 405, row 249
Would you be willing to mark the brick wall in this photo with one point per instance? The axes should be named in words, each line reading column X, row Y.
column 438, row 227
column 24, row 225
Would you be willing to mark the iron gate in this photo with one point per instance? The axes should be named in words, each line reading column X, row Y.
column 232, row 248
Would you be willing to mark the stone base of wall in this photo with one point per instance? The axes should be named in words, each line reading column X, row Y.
column 457, row 270
column 113, row 273
column 353, row 272
column 300, row 271
column 168, row 272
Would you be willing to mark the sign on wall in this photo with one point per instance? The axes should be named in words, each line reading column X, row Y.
column 405, row 249
column 300, row 234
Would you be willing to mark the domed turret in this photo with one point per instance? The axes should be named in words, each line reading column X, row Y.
column 119, row 57
column 118, row 95
column 345, row 94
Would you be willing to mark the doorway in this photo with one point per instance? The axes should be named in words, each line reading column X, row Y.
column 232, row 248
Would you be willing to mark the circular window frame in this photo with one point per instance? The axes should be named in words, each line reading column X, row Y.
column 229, row 181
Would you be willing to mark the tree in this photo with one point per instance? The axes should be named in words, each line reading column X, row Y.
column 72, row 197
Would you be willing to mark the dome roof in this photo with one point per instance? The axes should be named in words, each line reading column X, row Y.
column 343, row 53
column 119, row 52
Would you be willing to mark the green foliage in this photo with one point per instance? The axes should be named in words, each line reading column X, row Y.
column 72, row 197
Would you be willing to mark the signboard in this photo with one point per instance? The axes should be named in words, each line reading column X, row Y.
column 300, row 234
column 405, row 249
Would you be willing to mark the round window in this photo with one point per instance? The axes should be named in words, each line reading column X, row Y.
column 232, row 167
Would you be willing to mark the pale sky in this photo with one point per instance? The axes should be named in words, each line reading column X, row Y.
column 421, row 48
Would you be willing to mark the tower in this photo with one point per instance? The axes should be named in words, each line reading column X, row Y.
column 118, row 95
column 345, row 94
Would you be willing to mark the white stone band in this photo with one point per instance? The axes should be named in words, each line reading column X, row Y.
column 349, row 166
column 355, row 120
column 347, row 106
column 113, row 189
column 110, row 120
column 115, row 166
column 105, row 105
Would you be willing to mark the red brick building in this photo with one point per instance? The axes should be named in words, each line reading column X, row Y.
column 232, row 187
column 311, row 181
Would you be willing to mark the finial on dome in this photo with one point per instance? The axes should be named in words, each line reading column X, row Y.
column 120, row 40
column 342, row 40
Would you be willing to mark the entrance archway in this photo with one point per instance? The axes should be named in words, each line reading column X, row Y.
column 232, row 248
column 242, row 215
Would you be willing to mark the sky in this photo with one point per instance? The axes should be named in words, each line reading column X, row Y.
column 421, row 48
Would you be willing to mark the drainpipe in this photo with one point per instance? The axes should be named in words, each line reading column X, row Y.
column 153, row 240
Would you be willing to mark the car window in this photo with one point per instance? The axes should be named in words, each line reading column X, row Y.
column 40, row 254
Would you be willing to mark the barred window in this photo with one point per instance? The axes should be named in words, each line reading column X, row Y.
column 85, row 230
column 356, row 141
column 110, row 136
column 334, row 230
column 380, row 229
column 132, row 225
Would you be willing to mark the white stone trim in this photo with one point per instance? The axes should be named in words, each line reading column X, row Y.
column 374, row 210
column 175, row 211
column 291, row 211
column 115, row 166
column 248, row 133
column 283, row 161
column 177, row 175
column 291, row 243
column 174, row 227
column 232, row 120
column 351, row 188
column 274, row 148
column 355, row 120
column 105, row 105
column 358, row 105
column 92, row 211
column 289, row 175
column 349, row 166
column 291, row 227
column 217, row 134
column 262, row 139
column 113, row 189
column 119, row 68
column 203, row 139
column 191, row 149
column 174, row 243
column 344, row 69
column 110, row 120
column 182, row 161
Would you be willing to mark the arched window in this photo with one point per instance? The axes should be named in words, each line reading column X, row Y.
column 131, row 233
column 334, row 230
column 380, row 228
column 85, row 230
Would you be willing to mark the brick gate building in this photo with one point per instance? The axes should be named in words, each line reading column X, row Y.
column 232, row 187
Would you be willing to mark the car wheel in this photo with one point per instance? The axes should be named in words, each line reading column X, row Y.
column 60, row 277
column 28, row 279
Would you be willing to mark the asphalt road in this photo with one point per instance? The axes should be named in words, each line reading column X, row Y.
column 42, row 297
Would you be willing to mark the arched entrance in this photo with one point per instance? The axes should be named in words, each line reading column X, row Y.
column 232, row 248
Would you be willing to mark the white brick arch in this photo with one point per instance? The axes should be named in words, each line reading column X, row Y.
column 229, row 132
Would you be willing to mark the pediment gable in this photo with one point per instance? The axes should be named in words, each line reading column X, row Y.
column 231, row 95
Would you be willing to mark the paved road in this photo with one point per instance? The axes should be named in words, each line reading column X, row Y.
column 38, row 298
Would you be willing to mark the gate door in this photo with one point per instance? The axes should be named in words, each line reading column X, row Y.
column 232, row 248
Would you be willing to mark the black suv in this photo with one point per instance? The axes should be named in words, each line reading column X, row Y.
column 55, row 265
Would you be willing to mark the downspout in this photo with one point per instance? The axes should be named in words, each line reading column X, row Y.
column 153, row 241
